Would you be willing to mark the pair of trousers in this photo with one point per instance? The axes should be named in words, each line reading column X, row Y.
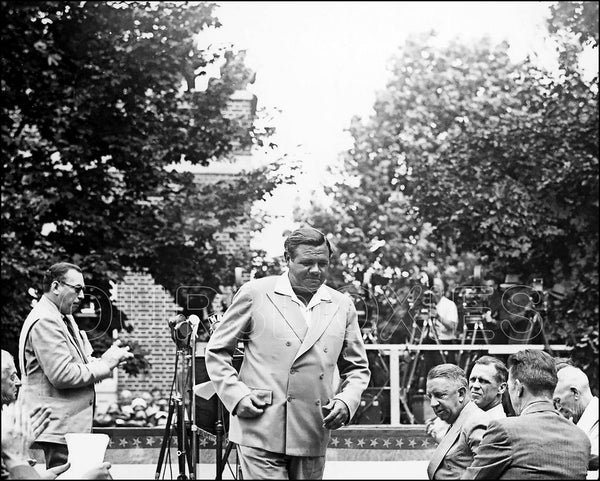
column 55, row 454
column 258, row 463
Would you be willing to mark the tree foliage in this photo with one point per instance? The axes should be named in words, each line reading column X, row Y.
column 469, row 152
column 94, row 111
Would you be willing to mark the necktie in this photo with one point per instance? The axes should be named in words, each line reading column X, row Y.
column 75, row 338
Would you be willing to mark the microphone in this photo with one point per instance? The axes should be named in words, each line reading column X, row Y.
column 173, row 321
column 194, row 320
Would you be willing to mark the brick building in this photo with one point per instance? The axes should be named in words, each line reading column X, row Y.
column 148, row 305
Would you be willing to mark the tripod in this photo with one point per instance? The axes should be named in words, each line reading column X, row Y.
column 477, row 329
column 220, row 458
column 177, row 409
column 427, row 330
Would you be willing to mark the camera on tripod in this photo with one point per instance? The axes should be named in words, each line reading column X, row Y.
column 474, row 302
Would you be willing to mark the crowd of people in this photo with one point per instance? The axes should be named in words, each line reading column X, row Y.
column 534, row 417
column 148, row 410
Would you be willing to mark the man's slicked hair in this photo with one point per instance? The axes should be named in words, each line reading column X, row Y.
column 451, row 372
column 535, row 369
column 501, row 371
column 305, row 236
column 57, row 272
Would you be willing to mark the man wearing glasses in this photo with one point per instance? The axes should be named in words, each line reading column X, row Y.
column 56, row 365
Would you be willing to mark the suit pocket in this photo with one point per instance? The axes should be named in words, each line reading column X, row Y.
column 263, row 395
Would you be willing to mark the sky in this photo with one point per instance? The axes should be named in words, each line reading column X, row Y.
column 318, row 64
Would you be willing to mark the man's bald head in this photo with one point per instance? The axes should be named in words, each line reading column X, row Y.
column 572, row 393
column 10, row 379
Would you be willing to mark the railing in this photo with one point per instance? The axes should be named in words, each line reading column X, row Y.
column 396, row 351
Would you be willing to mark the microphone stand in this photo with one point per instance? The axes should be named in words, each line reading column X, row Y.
column 194, row 427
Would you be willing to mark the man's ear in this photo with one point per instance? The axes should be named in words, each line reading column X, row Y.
column 54, row 285
column 502, row 387
column 575, row 392
column 462, row 392
column 519, row 388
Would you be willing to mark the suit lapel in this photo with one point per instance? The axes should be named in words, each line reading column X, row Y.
column 290, row 312
column 322, row 315
column 439, row 454
column 449, row 440
column 74, row 337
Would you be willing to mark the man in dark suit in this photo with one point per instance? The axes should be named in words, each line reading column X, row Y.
column 449, row 397
column 538, row 443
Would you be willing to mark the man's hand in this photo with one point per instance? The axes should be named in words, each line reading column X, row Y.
column 436, row 428
column 98, row 472
column 335, row 414
column 20, row 430
column 115, row 354
column 40, row 417
column 249, row 407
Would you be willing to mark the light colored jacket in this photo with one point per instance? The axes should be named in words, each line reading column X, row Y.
column 290, row 366
column 58, row 371
column 456, row 450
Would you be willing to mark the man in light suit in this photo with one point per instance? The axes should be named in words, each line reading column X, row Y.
column 538, row 443
column 575, row 401
column 487, row 384
column 449, row 397
column 56, row 365
column 295, row 330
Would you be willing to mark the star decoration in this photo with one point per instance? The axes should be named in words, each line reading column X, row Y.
column 399, row 442
column 203, row 442
column 386, row 443
column 412, row 443
column 360, row 443
column 149, row 440
column 110, row 442
column 334, row 441
column 136, row 442
column 374, row 442
column 123, row 442
column 425, row 443
column 348, row 442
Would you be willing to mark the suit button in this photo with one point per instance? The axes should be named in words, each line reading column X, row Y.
column 288, row 343
column 321, row 376
column 289, row 399
column 318, row 402
column 91, row 402
column 292, row 371
column 325, row 349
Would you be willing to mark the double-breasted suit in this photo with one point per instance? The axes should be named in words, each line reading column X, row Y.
column 289, row 365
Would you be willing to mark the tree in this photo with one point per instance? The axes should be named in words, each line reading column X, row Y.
column 94, row 111
column 469, row 152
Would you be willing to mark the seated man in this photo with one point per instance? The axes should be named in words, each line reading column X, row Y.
column 538, row 443
column 449, row 398
column 487, row 384
column 575, row 401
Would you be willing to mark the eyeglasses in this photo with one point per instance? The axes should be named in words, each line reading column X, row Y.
column 77, row 289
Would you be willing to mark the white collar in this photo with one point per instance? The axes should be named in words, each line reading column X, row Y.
column 589, row 416
column 284, row 286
